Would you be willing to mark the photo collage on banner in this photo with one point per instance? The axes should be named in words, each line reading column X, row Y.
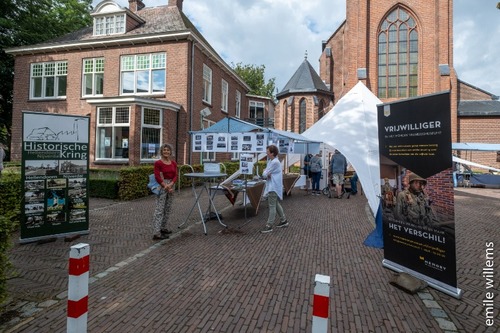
column 417, row 189
column 55, row 175
column 250, row 142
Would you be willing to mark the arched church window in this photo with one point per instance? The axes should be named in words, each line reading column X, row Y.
column 302, row 115
column 398, row 56
column 285, row 115
column 321, row 109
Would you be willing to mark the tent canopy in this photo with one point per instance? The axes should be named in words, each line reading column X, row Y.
column 235, row 125
column 231, row 125
column 352, row 128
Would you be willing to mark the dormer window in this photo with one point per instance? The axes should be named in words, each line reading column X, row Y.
column 109, row 25
column 111, row 19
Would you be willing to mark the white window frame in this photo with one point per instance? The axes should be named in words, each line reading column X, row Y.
column 148, row 64
column 109, row 25
column 238, row 104
column 42, row 72
column 113, row 124
column 207, row 84
column 154, row 127
column 235, row 156
column 225, row 96
column 93, row 67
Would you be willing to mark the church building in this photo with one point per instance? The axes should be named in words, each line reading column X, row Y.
column 398, row 49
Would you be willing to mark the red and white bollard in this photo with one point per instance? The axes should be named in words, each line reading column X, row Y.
column 321, row 304
column 78, row 288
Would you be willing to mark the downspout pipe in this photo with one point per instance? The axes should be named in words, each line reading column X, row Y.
column 190, row 104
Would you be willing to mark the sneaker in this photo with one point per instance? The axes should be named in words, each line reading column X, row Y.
column 282, row 224
column 267, row 229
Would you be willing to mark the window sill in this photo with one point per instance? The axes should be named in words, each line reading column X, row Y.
column 45, row 99
column 111, row 161
column 92, row 96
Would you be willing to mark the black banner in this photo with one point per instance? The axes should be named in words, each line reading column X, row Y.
column 417, row 191
column 55, row 175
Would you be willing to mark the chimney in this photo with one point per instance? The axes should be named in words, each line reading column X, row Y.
column 175, row 3
column 135, row 5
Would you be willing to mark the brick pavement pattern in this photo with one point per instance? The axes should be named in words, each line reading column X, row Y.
column 238, row 280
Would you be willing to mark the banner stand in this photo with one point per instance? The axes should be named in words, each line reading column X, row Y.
column 447, row 289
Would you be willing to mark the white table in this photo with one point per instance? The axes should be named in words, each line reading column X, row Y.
column 208, row 178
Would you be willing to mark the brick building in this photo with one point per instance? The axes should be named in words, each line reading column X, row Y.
column 398, row 49
column 145, row 76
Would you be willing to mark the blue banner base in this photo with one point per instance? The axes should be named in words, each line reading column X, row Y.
column 376, row 238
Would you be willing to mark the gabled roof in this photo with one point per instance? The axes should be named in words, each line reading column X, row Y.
column 231, row 125
column 160, row 24
column 479, row 108
column 305, row 79
column 493, row 97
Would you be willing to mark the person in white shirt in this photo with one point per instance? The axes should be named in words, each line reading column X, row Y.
column 274, row 189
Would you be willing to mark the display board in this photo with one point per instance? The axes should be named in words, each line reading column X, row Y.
column 418, row 214
column 250, row 142
column 54, row 174
column 246, row 164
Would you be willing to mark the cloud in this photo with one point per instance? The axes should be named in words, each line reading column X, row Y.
column 476, row 43
column 278, row 33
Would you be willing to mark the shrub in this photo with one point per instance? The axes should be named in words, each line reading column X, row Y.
column 10, row 196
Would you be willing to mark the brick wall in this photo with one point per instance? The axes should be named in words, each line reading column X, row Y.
column 468, row 93
column 178, row 90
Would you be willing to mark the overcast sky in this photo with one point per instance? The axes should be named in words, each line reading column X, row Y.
column 278, row 33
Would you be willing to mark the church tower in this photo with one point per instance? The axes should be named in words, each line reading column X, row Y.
column 303, row 101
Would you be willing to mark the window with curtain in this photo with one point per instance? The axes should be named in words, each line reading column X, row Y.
column 207, row 84
column 151, row 133
column 48, row 80
column 93, row 77
column 143, row 73
column 225, row 95
column 398, row 56
column 112, row 132
column 238, row 104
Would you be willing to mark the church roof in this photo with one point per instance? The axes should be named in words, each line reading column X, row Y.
column 305, row 79
column 479, row 108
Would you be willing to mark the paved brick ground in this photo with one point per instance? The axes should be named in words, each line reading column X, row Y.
column 238, row 280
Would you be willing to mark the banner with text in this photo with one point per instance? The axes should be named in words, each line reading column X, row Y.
column 417, row 192
column 54, row 173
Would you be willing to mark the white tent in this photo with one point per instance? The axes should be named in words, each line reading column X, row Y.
column 477, row 165
column 352, row 128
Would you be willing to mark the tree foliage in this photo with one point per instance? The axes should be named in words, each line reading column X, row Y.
column 254, row 76
column 27, row 22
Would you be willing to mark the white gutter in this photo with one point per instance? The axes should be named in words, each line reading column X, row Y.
column 135, row 100
column 117, row 41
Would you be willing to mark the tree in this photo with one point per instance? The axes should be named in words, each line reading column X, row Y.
column 254, row 76
column 27, row 22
